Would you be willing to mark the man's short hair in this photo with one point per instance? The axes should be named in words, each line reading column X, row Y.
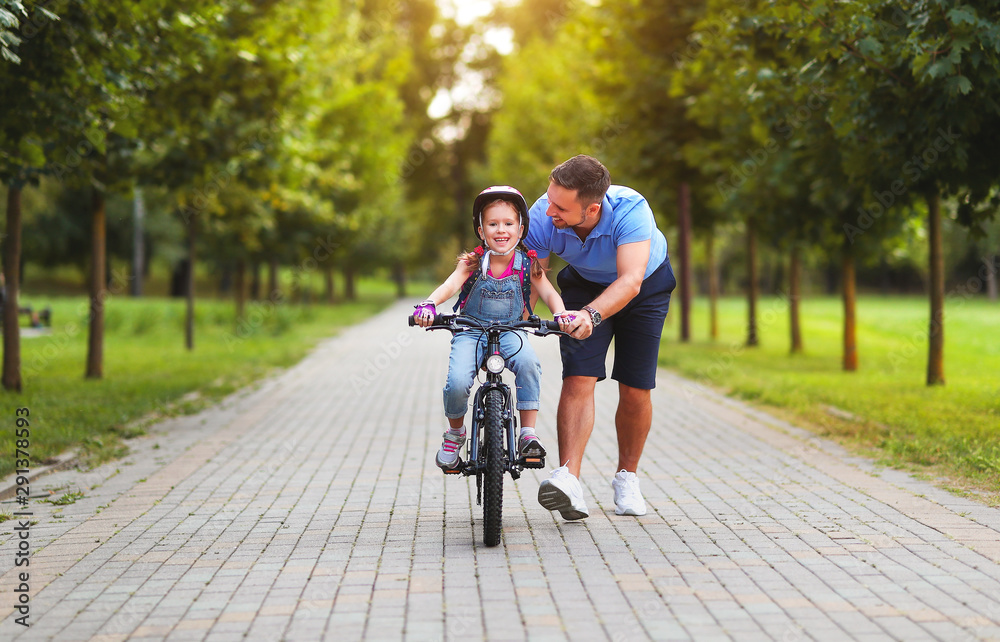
column 584, row 174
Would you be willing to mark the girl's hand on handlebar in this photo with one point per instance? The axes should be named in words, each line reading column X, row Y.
column 424, row 313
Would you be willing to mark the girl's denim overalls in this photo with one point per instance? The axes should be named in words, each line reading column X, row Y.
column 492, row 299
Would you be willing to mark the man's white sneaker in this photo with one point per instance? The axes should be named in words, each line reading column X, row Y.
column 628, row 497
column 562, row 492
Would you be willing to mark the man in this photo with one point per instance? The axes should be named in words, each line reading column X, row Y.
column 620, row 280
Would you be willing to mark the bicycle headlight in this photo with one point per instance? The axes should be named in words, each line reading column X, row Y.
column 495, row 363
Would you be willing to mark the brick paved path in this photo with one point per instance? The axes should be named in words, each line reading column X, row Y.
column 310, row 508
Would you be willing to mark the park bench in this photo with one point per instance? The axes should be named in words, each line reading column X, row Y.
column 42, row 318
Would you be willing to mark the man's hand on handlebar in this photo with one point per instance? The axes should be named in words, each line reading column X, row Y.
column 565, row 319
column 579, row 325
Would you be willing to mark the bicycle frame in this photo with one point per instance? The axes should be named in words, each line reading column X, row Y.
column 494, row 381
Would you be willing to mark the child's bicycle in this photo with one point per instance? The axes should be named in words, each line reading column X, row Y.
column 493, row 430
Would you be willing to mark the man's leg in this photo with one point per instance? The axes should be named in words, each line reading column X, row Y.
column 575, row 420
column 632, row 421
column 583, row 366
column 638, row 329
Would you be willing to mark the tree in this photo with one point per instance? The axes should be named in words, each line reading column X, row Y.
column 48, row 126
column 640, row 60
column 917, row 111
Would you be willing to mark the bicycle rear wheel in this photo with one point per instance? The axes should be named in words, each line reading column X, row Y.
column 495, row 467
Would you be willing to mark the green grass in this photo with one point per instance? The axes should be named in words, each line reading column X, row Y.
column 948, row 432
column 66, row 499
column 148, row 373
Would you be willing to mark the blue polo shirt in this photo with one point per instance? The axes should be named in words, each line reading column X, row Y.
column 625, row 218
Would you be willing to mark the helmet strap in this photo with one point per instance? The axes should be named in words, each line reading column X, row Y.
column 485, row 263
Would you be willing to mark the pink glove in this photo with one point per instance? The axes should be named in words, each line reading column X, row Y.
column 425, row 307
column 564, row 316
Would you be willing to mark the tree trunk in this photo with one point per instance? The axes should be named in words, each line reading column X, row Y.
column 713, row 289
column 239, row 288
column 991, row 276
column 272, row 278
column 189, row 315
column 684, row 243
column 850, row 324
column 767, row 276
column 98, row 268
column 330, row 293
column 12, row 269
column 831, row 277
column 399, row 276
column 304, row 286
column 935, row 357
column 752, row 286
column 883, row 268
column 138, row 242
column 179, row 278
column 255, row 281
column 349, row 292
column 225, row 280
column 794, row 294
column 458, row 178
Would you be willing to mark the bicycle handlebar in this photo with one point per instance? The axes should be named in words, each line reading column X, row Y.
column 455, row 321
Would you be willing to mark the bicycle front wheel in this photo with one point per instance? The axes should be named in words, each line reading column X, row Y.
column 495, row 467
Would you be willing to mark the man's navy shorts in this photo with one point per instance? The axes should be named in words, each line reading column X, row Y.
column 636, row 329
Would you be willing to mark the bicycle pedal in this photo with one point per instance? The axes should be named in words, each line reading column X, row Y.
column 533, row 462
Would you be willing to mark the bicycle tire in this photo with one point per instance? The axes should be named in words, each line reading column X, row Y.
column 495, row 467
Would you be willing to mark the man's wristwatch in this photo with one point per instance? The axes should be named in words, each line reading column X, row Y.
column 595, row 316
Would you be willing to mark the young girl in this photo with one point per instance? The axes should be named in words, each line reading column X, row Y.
column 496, row 275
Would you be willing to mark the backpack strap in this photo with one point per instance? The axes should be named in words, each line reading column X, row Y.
column 466, row 290
column 522, row 266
